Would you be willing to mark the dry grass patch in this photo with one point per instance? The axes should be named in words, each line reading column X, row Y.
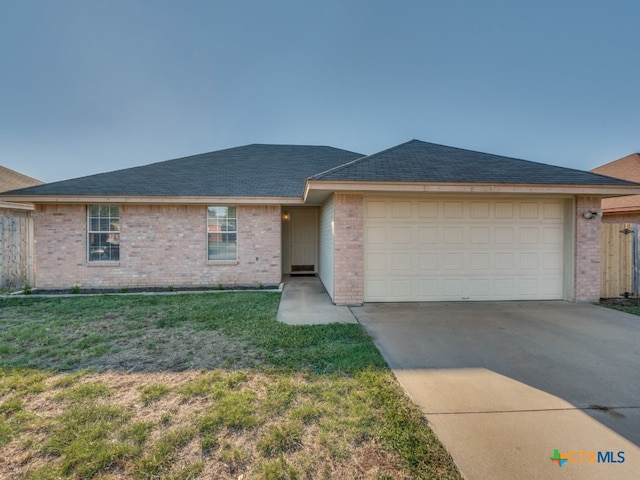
column 206, row 386
column 265, row 426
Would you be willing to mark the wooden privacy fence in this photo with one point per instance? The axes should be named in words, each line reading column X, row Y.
column 16, row 248
column 620, row 260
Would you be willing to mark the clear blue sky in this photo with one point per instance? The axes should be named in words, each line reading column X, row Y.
column 89, row 86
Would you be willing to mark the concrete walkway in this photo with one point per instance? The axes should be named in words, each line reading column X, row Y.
column 506, row 384
column 305, row 301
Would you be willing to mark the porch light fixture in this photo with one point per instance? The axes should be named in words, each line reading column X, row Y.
column 286, row 216
column 589, row 214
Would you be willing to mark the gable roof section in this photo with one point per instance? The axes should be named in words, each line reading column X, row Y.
column 250, row 171
column 422, row 162
column 627, row 168
column 10, row 180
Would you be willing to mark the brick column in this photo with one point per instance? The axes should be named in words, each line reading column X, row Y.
column 348, row 249
column 587, row 281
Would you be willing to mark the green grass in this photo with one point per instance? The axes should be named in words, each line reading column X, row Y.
column 624, row 305
column 200, row 386
column 152, row 393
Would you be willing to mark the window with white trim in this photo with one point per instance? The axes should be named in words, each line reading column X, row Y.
column 222, row 234
column 103, row 233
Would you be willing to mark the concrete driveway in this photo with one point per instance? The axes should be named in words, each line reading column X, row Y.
column 505, row 384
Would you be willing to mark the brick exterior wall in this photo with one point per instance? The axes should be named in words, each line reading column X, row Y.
column 348, row 249
column 587, row 251
column 160, row 245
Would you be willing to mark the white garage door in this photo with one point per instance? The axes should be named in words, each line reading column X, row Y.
column 463, row 249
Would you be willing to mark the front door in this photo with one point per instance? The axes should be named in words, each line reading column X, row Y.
column 302, row 241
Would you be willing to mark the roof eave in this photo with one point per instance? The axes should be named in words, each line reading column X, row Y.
column 182, row 200
column 426, row 187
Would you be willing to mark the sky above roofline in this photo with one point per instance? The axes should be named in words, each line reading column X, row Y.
column 90, row 87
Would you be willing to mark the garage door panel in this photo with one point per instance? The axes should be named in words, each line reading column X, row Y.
column 551, row 262
column 401, row 236
column 479, row 210
column 528, row 287
column 429, row 288
column 377, row 235
column 453, row 235
column 529, row 261
column 428, row 209
column 401, row 261
column 377, row 261
column 480, row 235
column 428, row 235
column 480, row 288
column 498, row 249
column 552, row 211
column 427, row 261
column 504, row 235
column 376, row 209
column 452, row 288
column 376, row 290
column 401, row 288
column 552, row 235
column 504, row 261
column 503, row 288
column 480, row 261
column 452, row 210
column 401, row 209
column 529, row 235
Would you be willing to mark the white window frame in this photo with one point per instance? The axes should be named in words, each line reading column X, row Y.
column 110, row 236
column 226, row 226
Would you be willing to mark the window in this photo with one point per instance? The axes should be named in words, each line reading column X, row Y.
column 222, row 232
column 103, row 231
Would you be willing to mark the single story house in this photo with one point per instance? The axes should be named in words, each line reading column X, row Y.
column 622, row 209
column 416, row 222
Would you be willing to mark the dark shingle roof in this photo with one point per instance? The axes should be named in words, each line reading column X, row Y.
column 418, row 161
column 281, row 170
column 249, row 171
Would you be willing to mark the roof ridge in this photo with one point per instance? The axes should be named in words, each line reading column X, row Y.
column 317, row 176
column 525, row 160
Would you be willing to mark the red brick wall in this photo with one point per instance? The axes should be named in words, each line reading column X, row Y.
column 160, row 245
column 348, row 249
column 587, row 251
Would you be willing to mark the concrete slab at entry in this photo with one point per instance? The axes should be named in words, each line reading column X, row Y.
column 304, row 301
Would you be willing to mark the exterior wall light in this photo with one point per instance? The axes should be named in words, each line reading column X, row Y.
column 589, row 214
column 286, row 216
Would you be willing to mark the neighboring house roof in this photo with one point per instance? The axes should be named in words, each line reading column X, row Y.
column 418, row 161
column 249, row 171
column 627, row 168
column 11, row 180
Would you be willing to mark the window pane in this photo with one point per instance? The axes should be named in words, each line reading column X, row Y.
column 103, row 233
column 104, row 224
column 221, row 229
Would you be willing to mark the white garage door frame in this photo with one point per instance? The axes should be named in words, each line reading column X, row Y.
column 478, row 248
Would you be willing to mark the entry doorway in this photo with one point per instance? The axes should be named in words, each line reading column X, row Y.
column 299, row 241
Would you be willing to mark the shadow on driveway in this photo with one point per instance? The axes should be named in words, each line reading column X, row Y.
column 539, row 372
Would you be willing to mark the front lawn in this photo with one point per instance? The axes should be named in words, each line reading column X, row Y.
column 199, row 386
